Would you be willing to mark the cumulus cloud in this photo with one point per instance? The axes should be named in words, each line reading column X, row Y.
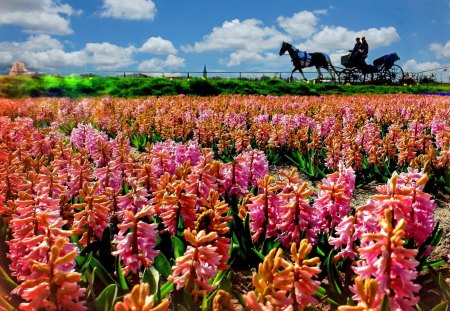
column 427, row 69
column 55, row 59
column 38, row 16
column 440, row 50
column 300, row 25
column 248, row 35
column 107, row 56
column 171, row 62
column 413, row 66
column 44, row 53
column 250, row 41
column 330, row 38
column 158, row 45
column 130, row 9
column 40, row 51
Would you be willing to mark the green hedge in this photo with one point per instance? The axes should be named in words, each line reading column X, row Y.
column 76, row 86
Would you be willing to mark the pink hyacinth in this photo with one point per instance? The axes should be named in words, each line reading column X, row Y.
column 334, row 196
column 27, row 231
column 198, row 265
column 243, row 172
column 258, row 167
column 263, row 210
column 404, row 196
column 347, row 233
column 108, row 176
column 175, row 154
column 385, row 258
column 296, row 214
column 135, row 200
column 136, row 241
column 53, row 283
column 203, row 176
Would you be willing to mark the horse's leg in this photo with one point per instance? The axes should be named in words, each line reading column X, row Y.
column 319, row 74
column 292, row 73
column 333, row 71
column 330, row 69
column 303, row 75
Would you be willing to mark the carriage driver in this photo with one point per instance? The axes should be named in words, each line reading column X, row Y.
column 364, row 48
column 355, row 50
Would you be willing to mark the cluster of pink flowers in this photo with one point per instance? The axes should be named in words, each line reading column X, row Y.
column 283, row 209
column 97, row 183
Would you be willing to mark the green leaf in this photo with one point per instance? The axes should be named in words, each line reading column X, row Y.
column 333, row 274
column 163, row 265
column 105, row 301
column 4, row 276
column 443, row 285
column 385, row 304
column 268, row 245
column 321, row 293
column 434, row 264
column 122, row 281
column 240, row 298
column 258, row 253
column 166, row 289
column 92, row 263
column 320, row 251
column 443, row 306
column 178, row 246
column 439, row 279
column 151, row 276
column 206, row 301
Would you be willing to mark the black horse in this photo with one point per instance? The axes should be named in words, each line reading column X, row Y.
column 302, row 59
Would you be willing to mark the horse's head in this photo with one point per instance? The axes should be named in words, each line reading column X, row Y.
column 284, row 47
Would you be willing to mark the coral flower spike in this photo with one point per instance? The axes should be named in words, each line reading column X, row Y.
column 139, row 300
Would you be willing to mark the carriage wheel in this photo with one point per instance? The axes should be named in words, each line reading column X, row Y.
column 392, row 76
column 358, row 76
column 351, row 76
column 344, row 76
column 395, row 74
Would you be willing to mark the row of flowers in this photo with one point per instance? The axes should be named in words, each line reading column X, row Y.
column 379, row 130
column 65, row 202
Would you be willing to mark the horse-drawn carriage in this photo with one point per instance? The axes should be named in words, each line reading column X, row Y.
column 382, row 71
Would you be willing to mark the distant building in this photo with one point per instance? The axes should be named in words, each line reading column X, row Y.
column 18, row 69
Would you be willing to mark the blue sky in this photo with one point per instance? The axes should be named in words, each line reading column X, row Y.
column 78, row 36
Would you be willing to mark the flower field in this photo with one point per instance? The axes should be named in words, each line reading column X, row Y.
column 230, row 202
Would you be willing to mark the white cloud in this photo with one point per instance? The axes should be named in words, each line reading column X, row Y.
column 172, row 62
column 250, row 40
column 236, row 58
column 158, row 45
column 41, row 43
column 440, row 50
column 413, row 66
column 300, row 25
column 129, row 9
column 54, row 59
column 330, row 39
column 427, row 69
column 37, row 16
column 107, row 56
column 45, row 53
column 41, row 52
column 248, row 35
